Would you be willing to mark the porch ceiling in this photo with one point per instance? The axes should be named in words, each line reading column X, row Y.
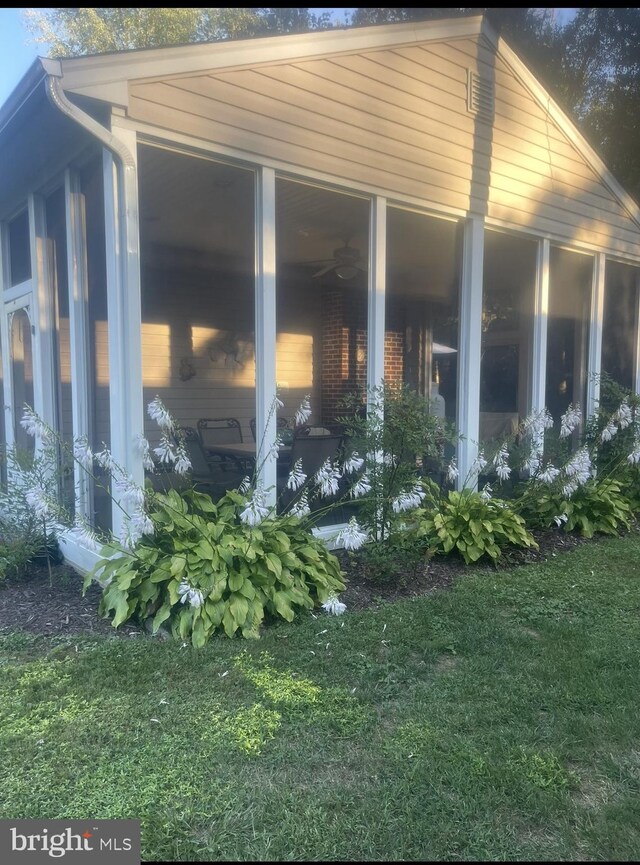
column 202, row 205
column 36, row 146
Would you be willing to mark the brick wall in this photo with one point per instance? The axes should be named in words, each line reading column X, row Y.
column 344, row 347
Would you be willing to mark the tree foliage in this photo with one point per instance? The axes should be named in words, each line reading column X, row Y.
column 590, row 64
column 73, row 32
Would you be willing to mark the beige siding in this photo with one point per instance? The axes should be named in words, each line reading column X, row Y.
column 397, row 120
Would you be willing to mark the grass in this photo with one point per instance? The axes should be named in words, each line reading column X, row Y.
column 496, row 721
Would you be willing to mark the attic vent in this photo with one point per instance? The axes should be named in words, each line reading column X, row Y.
column 480, row 96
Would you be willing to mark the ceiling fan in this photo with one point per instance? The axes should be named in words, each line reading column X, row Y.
column 346, row 263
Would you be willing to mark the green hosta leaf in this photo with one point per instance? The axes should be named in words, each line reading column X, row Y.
column 219, row 587
column 178, row 565
column 274, row 564
column 309, row 553
column 226, row 555
column 205, row 550
column 148, row 591
column 473, row 553
column 198, row 634
column 239, row 607
column 121, row 608
column 247, row 589
column 229, row 623
column 282, row 605
column 185, row 620
column 162, row 615
column 235, row 581
column 215, row 611
column 161, row 573
column 172, row 591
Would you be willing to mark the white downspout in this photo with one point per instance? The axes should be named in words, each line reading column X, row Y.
column 123, row 288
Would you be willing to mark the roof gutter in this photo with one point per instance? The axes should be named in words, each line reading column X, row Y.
column 59, row 99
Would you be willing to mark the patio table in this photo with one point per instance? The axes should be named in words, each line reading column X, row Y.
column 243, row 450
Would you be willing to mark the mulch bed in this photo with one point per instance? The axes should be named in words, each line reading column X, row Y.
column 440, row 572
column 31, row 603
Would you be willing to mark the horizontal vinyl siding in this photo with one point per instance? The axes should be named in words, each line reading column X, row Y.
column 397, row 120
column 197, row 317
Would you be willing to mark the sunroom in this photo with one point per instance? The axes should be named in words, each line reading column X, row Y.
column 303, row 216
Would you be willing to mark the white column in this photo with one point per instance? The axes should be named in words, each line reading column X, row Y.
column 265, row 326
column 78, row 328
column 5, row 338
column 377, row 289
column 637, row 376
column 44, row 383
column 469, row 351
column 131, row 326
column 123, row 310
column 595, row 334
column 540, row 322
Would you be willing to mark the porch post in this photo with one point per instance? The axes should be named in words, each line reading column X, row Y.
column 540, row 322
column 265, row 327
column 131, row 305
column 4, row 338
column 637, row 375
column 377, row 289
column 595, row 333
column 470, row 342
column 44, row 385
column 123, row 310
column 78, row 328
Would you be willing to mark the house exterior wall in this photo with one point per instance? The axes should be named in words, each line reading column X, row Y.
column 388, row 123
column 397, row 120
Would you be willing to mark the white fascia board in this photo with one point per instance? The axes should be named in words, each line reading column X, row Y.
column 85, row 73
column 566, row 125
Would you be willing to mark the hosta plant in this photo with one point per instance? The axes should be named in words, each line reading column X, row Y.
column 204, row 570
column 598, row 506
column 472, row 524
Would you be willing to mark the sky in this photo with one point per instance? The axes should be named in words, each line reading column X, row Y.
column 15, row 54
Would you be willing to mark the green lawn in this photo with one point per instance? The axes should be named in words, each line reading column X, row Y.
column 499, row 721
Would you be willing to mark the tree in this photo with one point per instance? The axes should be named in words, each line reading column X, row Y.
column 601, row 79
column 590, row 64
column 73, row 32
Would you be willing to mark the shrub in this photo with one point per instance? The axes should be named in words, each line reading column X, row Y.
column 397, row 435
column 203, row 569
column 397, row 557
column 25, row 535
column 596, row 506
column 472, row 524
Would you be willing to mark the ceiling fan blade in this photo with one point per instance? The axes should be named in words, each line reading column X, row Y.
column 324, row 270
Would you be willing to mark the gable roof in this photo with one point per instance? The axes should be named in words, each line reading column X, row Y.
column 106, row 77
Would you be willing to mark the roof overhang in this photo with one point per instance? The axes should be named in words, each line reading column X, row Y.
column 101, row 74
column 36, row 140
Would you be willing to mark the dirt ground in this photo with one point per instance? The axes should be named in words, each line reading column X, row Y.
column 31, row 602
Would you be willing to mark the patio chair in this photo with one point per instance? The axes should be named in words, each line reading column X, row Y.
column 282, row 423
column 214, row 431
column 219, row 431
column 313, row 451
column 210, row 475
